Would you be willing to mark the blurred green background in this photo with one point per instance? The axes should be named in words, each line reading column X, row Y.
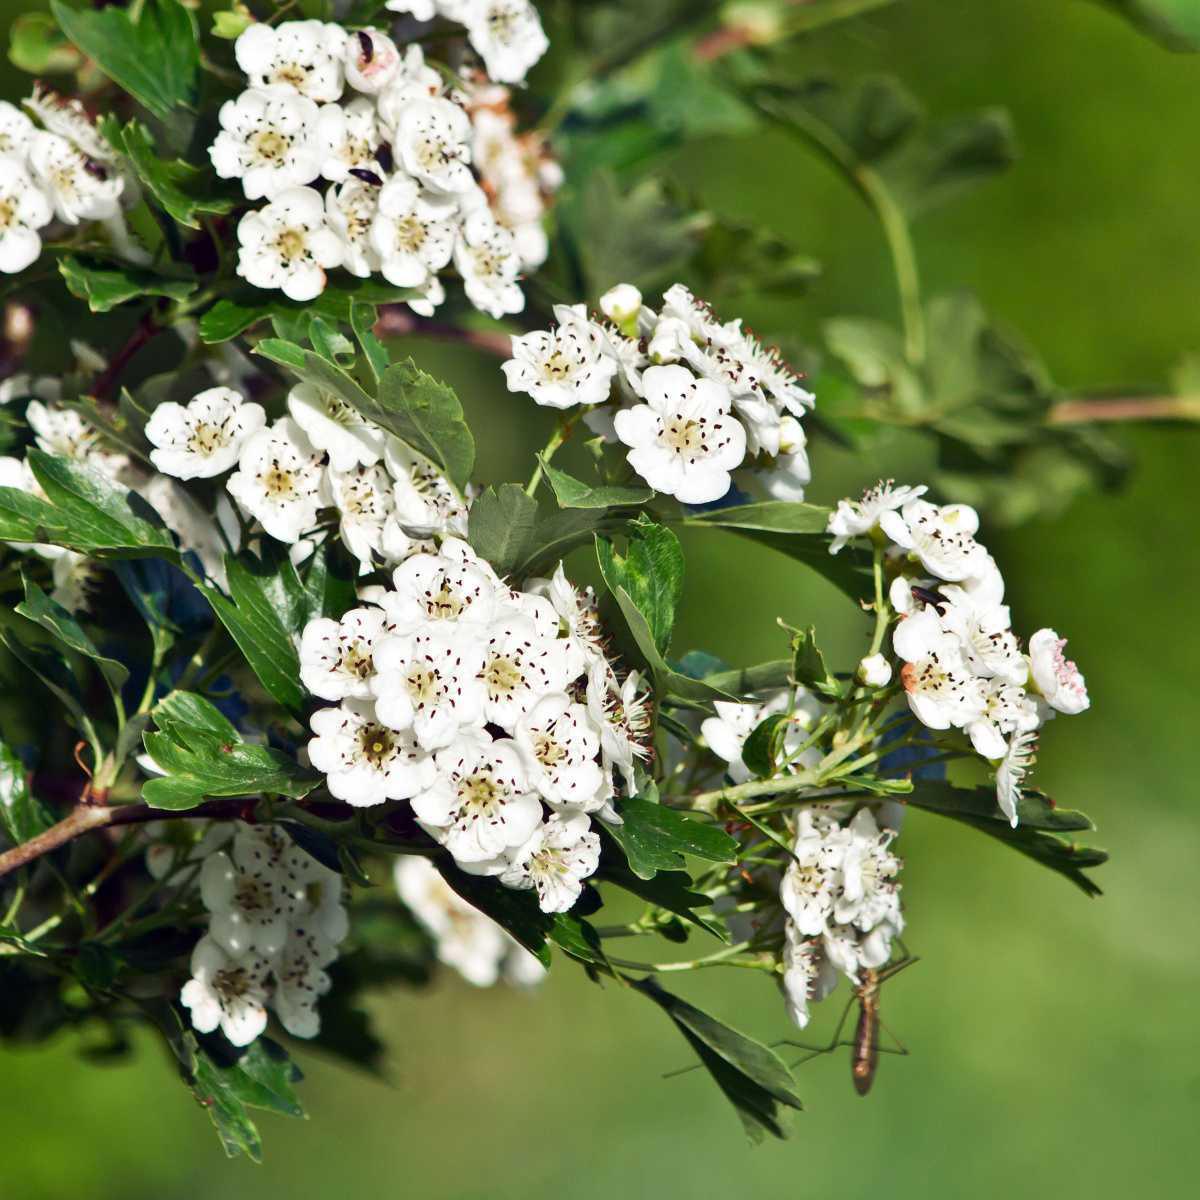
column 1054, row 1039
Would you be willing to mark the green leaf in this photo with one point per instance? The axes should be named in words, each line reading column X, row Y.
column 180, row 188
column 264, row 1077
column 51, row 616
column 656, row 838
column 501, row 525
column 37, row 45
column 1174, row 23
column 669, row 890
column 574, row 493
column 22, row 815
column 808, row 663
column 104, row 287
column 761, row 750
column 210, row 758
column 515, row 911
column 1040, row 823
column 742, row 681
column 752, row 1076
column 256, row 621
column 362, row 321
column 227, row 318
column 556, row 535
column 770, row 516
column 650, row 573
column 83, row 511
column 156, row 60
column 575, row 937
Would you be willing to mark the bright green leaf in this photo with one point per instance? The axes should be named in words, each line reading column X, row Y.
column 650, row 573
column 104, row 287
column 574, row 493
column 22, row 815
column 656, row 838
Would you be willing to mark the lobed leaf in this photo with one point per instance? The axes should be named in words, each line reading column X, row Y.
column 654, row 837
column 501, row 525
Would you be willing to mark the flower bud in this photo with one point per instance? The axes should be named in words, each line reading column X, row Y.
column 372, row 61
column 875, row 671
column 621, row 305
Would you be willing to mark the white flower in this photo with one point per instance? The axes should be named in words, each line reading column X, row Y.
column 473, row 944
column 1007, row 708
column 303, row 55
column 854, row 518
column 559, row 856
column 350, row 209
column 346, row 138
column 726, row 733
column 807, row 973
column 366, row 763
column 788, row 473
column 372, row 61
column 1057, row 678
column 205, row 437
column 197, row 529
column 507, row 35
column 486, row 257
column 808, row 888
column 63, row 432
column 520, row 667
column 942, row 538
column 252, row 895
column 287, row 244
column 422, row 10
column 75, row 578
column 875, row 671
column 576, row 610
column 363, row 497
column 621, row 304
column 564, row 367
column 481, row 803
column 624, row 715
column 428, row 682
column 425, row 501
column 560, row 746
column 80, row 188
column 683, row 440
column 16, row 131
column 24, row 209
column 336, row 657
column 414, row 81
column 982, row 628
column 69, row 119
column 942, row 691
column 451, row 586
column 266, row 141
column 227, row 991
column 280, row 480
column 413, row 232
column 869, row 893
column 430, row 142
column 301, row 980
column 333, row 426
column 1010, row 774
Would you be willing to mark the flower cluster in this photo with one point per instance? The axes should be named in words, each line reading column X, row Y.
column 962, row 667
column 473, row 944
column 506, row 34
column 275, row 922
column 61, row 170
column 842, row 903
column 323, row 454
column 699, row 405
column 492, row 710
column 391, row 143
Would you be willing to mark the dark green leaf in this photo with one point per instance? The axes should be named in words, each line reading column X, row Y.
column 771, row 516
column 575, row 937
column 104, row 286
column 556, row 535
column 156, row 60
column 501, row 525
column 263, row 1078
column 22, row 815
column 761, row 751
column 808, row 663
column 742, row 681
column 427, row 415
column 51, row 616
column 515, row 911
column 574, row 493
column 1174, row 23
column 656, row 838
column 650, row 573
column 227, row 318
column 752, row 1076
column 1036, row 835
column 362, row 321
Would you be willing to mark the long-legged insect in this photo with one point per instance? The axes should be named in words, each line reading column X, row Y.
column 865, row 1046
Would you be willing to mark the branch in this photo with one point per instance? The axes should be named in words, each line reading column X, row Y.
column 106, row 382
column 1087, row 409
column 397, row 321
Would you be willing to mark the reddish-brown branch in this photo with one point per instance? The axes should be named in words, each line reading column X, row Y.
column 397, row 321
column 106, row 382
column 1086, row 409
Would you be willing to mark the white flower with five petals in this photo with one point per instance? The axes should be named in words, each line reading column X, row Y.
column 204, row 437
column 289, row 245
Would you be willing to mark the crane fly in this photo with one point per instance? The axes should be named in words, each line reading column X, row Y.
column 865, row 1047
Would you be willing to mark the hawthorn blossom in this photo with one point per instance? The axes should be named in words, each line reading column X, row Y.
column 623, row 713
column 288, row 244
column 808, row 888
column 266, row 141
column 346, row 138
column 507, row 35
column 412, row 232
column 941, row 689
column 204, row 437
column 558, row 857
column 280, row 480
column 350, row 209
column 80, row 188
column 415, row 80
column 363, row 498
column 372, row 61
column 250, row 899
column 24, row 209
column 1057, row 678
column 868, row 893
column 563, row 367
column 875, row 671
column 941, row 538
column 16, row 131
column 337, row 657
column 306, row 56
column 453, row 586
column 67, row 434
column 1010, row 774
column 425, row 501
column 520, row 665
column 486, row 257
column 856, row 518
column 334, row 427
column 622, row 305
column 560, row 746
column 301, row 980
column 683, row 440
column 480, row 804
column 365, row 762
column 430, row 142
column 226, row 991
column 428, row 683
column 1007, row 709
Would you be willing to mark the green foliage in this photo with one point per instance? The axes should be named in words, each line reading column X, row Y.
column 656, row 838
column 37, row 45
column 752, row 1076
column 1174, row 23
column 202, row 755
column 574, row 493
column 104, row 287
column 649, row 574
column 62, row 626
column 502, row 525
column 22, row 815
column 156, row 58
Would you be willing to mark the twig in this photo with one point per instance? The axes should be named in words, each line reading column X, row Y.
column 147, row 329
column 1087, row 409
column 397, row 321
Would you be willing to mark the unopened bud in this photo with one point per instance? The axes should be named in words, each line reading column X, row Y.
column 621, row 305
column 875, row 671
